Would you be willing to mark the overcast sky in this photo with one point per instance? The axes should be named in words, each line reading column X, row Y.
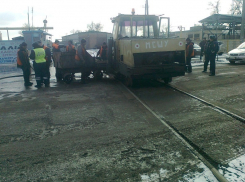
column 67, row 15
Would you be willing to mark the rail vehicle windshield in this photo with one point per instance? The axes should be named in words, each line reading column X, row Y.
column 137, row 28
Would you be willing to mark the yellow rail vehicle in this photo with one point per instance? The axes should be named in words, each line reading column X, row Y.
column 137, row 51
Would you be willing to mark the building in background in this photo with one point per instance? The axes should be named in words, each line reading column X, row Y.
column 93, row 39
column 227, row 29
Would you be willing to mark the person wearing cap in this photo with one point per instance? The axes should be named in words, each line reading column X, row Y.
column 206, row 58
column 189, row 55
column 81, row 56
column 55, row 46
column 70, row 47
column 102, row 52
column 212, row 50
column 48, row 57
column 24, row 63
column 39, row 63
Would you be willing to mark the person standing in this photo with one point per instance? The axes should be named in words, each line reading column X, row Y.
column 39, row 63
column 70, row 47
column 24, row 63
column 206, row 57
column 55, row 49
column 202, row 45
column 102, row 52
column 48, row 58
column 212, row 50
column 55, row 46
column 81, row 55
column 189, row 55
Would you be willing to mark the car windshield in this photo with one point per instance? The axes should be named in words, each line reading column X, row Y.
column 242, row 46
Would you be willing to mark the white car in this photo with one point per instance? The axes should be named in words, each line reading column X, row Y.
column 237, row 54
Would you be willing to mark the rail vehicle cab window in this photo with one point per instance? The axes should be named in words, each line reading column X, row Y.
column 138, row 28
column 125, row 29
column 115, row 30
column 149, row 28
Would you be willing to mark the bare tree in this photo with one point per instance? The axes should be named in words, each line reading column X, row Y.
column 75, row 31
column 236, row 7
column 214, row 7
column 94, row 27
column 25, row 25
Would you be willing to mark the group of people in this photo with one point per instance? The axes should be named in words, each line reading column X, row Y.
column 41, row 56
column 209, row 50
column 42, row 59
column 81, row 56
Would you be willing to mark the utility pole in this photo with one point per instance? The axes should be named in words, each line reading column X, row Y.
column 28, row 18
column 146, row 8
column 32, row 17
column 243, row 22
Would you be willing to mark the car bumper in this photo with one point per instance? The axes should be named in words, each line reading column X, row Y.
column 235, row 58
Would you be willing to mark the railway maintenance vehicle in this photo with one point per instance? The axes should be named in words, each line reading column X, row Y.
column 136, row 51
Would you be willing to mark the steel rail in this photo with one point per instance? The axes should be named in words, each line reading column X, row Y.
column 214, row 107
column 196, row 151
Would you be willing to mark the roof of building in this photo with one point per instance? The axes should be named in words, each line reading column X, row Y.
column 37, row 31
column 88, row 32
column 222, row 18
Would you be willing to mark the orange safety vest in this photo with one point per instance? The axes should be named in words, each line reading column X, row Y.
column 56, row 46
column 18, row 59
column 101, row 50
column 83, row 53
column 67, row 48
column 187, row 50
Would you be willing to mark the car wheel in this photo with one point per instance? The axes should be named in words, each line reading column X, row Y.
column 232, row 62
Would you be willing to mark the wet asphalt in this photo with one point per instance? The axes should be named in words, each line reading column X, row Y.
column 100, row 132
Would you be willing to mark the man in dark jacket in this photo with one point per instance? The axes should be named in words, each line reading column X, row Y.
column 39, row 63
column 212, row 50
column 189, row 55
column 24, row 63
column 206, row 56
column 202, row 45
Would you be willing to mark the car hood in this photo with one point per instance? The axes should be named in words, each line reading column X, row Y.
column 237, row 51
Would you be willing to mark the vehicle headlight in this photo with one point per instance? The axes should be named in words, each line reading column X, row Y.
column 243, row 54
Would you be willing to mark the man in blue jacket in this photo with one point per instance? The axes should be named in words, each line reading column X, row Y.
column 212, row 50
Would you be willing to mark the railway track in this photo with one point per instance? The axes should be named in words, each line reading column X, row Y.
column 214, row 107
column 193, row 148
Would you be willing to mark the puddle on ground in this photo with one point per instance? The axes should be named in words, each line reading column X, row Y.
column 9, row 68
